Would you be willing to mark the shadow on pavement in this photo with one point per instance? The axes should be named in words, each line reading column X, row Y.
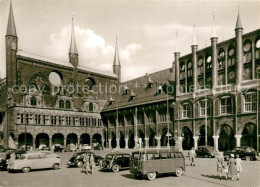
column 211, row 176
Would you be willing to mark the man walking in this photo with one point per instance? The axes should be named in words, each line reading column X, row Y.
column 192, row 155
column 220, row 161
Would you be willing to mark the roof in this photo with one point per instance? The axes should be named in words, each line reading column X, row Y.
column 152, row 151
column 66, row 64
column 239, row 24
column 73, row 45
column 11, row 30
column 118, row 153
column 116, row 57
column 137, row 87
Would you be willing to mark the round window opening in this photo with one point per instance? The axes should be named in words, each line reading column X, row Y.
column 55, row 78
column 231, row 52
column 258, row 44
column 209, row 59
column 247, row 47
column 90, row 83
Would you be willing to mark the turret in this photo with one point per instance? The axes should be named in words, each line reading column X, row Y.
column 73, row 52
column 194, row 48
column 214, row 41
column 116, row 64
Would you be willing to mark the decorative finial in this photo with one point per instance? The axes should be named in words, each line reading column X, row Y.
column 176, row 41
column 214, row 30
column 194, row 40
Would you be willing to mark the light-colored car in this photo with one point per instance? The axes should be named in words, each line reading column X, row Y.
column 85, row 147
column 29, row 161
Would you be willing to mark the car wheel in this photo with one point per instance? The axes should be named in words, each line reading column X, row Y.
column 247, row 158
column 151, row 175
column 26, row 170
column 56, row 166
column 178, row 172
column 79, row 164
column 115, row 168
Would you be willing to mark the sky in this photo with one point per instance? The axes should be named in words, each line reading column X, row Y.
column 146, row 30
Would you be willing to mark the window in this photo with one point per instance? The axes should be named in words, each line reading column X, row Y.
column 60, row 120
column 37, row 119
column 61, row 104
column 68, row 120
column 73, row 121
column 33, row 101
column 247, row 52
column 53, row 120
column 88, row 121
column 257, row 51
column 93, row 121
column 140, row 118
column 189, row 69
column 231, row 56
column 22, row 118
column 162, row 116
column 44, row 119
column 151, row 117
column 186, row 111
column 203, row 106
column 200, row 66
column 91, row 107
column 27, row 118
column 68, row 104
column 226, row 105
column 250, row 102
column 81, row 121
column 221, row 59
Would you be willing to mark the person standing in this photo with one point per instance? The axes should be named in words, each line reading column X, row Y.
column 225, row 168
column 86, row 160
column 92, row 162
column 239, row 166
column 192, row 155
column 232, row 168
column 220, row 161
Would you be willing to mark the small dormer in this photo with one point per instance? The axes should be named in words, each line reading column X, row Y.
column 132, row 95
column 126, row 90
column 149, row 82
column 111, row 100
column 159, row 89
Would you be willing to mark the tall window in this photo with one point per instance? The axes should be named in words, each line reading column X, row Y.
column 27, row 118
column 37, row 119
column 93, row 121
column 163, row 116
column 226, row 105
column 91, row 107
column 186, row 111
column 88, row 121
column 60, row 120
column 140, row 118
column 33, row 101
column 44, row 119
column 73, row 121
column 61, row 104
column 53, row 120
column 203, row 108
column 22, row 118
column 68, row 120
column 250, row 102
column 68, row 104
column 81, row 121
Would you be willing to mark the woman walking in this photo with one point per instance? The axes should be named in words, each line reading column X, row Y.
column 86, row 160
column 239, row 166
column 92, row 162
column 232, row 171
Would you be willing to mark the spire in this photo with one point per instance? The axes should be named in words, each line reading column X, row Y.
column 11, row 31
column 194, row 39
column 73, row 46
column 214, row 30
column 176, row 41
column 116, row 58
column 239, row 24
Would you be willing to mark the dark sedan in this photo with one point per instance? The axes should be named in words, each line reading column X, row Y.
column 77, row 159
column 205, row 151
column 116, row 161
column 244, row 152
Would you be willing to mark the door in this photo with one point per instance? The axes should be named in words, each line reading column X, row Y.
column 119, row 160
column 126, row 161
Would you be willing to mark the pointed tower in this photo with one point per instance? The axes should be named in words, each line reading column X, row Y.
column 194, row 48
column 177, row 65
column 214, row 41
column 116, row 64
column 11, row 42
column 73, row 53
column 239, row 51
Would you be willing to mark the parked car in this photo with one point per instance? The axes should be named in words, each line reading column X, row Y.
column 153, row 162
column 205, row 151
column 71, row 148
column 6, row 157
column 30, row 161
column 43, row 147
column 97, row 146
column 85, row 147
column 116, row 161
column 77, row 159
column 244, row 152
column 58, row 148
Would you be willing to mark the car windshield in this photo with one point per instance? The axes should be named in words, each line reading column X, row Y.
column 109, row 156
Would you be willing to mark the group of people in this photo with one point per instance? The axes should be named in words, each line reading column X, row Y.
column 231, row 167
column 89, row 163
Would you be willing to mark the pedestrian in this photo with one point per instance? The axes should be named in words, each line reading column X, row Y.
column 232, row 168
column 92, row 163
column 86, row 160
column 220, row 160
column 239, row 166
column 192, row 155
column 225, row 168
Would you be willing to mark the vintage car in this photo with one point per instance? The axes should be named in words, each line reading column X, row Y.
column 244, row 152
column 116, row 161
column 4, row 158
column 85, row 147
column 205, row 151
column 152, row 162
column 58, row 148
column 29, row 161
column 77, row 159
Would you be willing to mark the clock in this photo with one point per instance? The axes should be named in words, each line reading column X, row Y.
column 231, row 75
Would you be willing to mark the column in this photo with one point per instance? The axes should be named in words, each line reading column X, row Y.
column 78, row 142
column 239, row 56
column 126, row 143
column 65, row 142
column 109, row 143
column 177, row 71
column 196, row 138
column 158, row 142
column 91, row 143
column 146, row 142
column 136, row 142
column 178, row 143
column 194, row 66
column 118, row 143
column 215, row 142
column 135, row 128
column 214, row 41
column 34, row 143
column 238, row 140
column 50, row 143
